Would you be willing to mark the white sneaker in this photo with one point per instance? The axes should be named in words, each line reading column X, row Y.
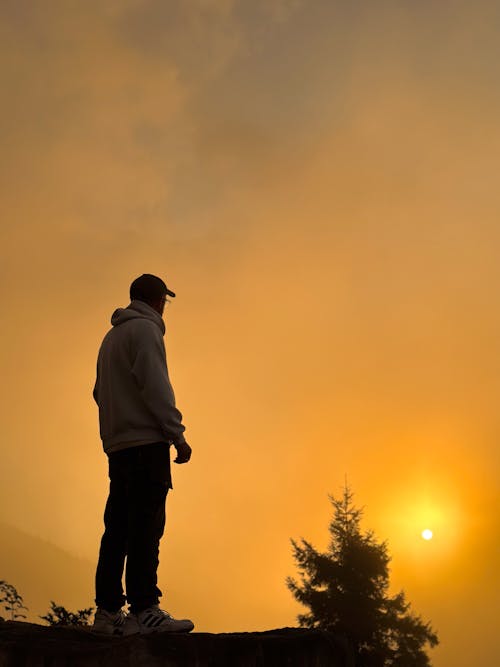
column 116, row 623
column 154, row 619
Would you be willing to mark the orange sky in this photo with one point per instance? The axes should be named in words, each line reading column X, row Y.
column 318, row 183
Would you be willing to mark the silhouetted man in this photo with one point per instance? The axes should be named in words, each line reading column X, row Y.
column 138, row 422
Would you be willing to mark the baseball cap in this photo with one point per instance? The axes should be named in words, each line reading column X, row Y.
column 149, row 288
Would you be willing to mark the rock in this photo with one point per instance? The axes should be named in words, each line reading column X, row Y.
column 30, row 645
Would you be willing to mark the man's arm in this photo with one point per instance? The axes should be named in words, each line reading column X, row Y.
column 149, row 368
column 95, row 390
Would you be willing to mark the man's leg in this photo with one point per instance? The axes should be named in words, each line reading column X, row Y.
column 109, row 590
column 146, row 523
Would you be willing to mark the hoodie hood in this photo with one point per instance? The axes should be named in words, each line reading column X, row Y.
column 137, row 310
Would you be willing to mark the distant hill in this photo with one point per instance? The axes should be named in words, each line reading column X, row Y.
column 42, row 571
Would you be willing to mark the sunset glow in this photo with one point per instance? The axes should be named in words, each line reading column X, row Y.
column 318, row 183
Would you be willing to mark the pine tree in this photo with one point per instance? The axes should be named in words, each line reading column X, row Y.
column 346, row 591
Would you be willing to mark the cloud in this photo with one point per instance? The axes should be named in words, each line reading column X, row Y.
column 317, row 180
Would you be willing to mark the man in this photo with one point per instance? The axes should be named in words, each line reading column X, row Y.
column 138, row 422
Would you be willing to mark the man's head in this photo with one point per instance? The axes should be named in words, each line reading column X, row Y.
column 152, row 290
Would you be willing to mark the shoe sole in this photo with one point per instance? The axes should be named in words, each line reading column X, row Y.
column 148, row 631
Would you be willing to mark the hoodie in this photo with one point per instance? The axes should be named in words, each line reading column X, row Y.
column 132, row 389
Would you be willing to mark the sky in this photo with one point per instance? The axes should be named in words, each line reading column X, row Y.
column 317, row 181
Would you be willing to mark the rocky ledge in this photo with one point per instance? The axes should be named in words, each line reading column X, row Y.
column 29, row 645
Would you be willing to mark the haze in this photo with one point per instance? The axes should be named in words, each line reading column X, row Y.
column 318, row 183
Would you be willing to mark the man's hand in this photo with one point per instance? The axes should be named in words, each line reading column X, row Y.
column 183, row 452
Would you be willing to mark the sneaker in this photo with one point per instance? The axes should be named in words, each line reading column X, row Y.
column 154, row 619
column 116, row 623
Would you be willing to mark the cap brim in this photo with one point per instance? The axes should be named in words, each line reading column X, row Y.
column 170, row 293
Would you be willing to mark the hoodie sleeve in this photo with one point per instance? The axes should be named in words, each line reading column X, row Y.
column 95, row 393
column 149, row 368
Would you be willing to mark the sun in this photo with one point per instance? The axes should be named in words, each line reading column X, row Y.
column 427, row 534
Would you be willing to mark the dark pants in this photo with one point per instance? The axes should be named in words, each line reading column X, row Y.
column 134, row 521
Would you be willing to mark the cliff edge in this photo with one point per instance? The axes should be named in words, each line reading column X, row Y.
column 30, row 645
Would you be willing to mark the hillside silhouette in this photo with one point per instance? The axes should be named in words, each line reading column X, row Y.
column 42, row 571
